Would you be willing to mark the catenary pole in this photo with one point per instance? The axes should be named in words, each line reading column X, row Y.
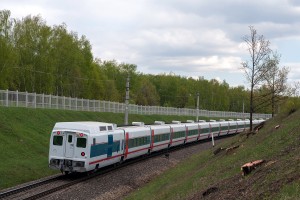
column 126, row 101
column 197, row 107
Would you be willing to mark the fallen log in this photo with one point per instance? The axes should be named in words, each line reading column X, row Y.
column 259, row 126
column 250, row 166
column 232, row 148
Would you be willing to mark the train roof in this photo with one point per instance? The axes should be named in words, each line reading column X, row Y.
column 85, row 126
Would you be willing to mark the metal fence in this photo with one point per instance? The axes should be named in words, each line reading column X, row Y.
column 33, row 100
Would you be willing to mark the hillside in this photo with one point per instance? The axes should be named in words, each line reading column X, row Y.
column 25, row 139
column 210, row 176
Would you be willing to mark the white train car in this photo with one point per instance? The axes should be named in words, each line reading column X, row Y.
column 137, row 141
column 224, row 127
column 240, row 125
column 232, row 126
column 178, row 133
column 247, row 124
column 214, row 128
column 84, row 146
column 204, row 130
column 161, row 137
column 193, row 131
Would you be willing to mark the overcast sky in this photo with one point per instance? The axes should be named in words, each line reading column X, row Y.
column 186, row 37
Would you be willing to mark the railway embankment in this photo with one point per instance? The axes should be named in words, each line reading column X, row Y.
column 211, row 175
column 25, row 134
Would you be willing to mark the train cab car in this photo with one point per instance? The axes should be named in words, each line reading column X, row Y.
column 224, row 127
column 192, row 130
column 137, row 141
column 214, row 128
column 232, row 126
column 178, row 133
column 84, row 146
column 160, row 137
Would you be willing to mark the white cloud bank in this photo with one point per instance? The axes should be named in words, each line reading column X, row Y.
column 187, row 37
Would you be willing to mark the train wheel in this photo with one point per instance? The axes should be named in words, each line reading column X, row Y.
column 122, row 160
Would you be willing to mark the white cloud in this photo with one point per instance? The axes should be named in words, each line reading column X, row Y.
column 184, row 36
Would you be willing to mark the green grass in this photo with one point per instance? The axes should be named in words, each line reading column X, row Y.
column 290, row 191
column 25, row 135
column 25, row 141
column 278, row 180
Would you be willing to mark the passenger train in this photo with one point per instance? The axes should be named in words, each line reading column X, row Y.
column 88, row 146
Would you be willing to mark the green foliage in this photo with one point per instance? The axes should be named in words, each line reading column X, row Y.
column 36, row 57
column 291, row 105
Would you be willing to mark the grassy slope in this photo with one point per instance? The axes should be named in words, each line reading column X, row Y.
column 25, row 139
column 278, row 178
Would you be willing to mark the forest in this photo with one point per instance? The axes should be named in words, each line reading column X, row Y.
column 36, row 57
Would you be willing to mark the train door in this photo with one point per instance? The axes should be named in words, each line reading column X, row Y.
column 110, row 145
column 69, row 145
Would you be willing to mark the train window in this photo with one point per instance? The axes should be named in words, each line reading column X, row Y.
column 109, row 128
column 57, row 140
column 102, row 128
column 70, row 138
column 81, row 142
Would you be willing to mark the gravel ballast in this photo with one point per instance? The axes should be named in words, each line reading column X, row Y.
column 119, row 183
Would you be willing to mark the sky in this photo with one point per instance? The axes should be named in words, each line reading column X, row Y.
column 192, row 38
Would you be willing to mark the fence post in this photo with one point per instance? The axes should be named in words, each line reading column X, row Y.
column 50, row 101
column 94, row 105
column 17, row 98
column 64, row 103
column 35, row 100
column 43, row 100
column 76, row 103
column 7, row 98
column 26, row 99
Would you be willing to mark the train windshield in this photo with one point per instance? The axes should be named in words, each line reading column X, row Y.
column 81, row 142
column 57, row 140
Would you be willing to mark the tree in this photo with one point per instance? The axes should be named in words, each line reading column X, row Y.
column 275, row 81
column 259, row 50
column 147, row 94
column 7, row 52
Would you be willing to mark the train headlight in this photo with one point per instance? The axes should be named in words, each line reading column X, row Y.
column 82, row 154
column 79, row 164
column 54, row 162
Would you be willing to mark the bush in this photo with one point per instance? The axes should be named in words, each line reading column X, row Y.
column 291, row 105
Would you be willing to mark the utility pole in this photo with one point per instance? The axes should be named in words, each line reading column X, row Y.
column 197, row 107
column 126, row 101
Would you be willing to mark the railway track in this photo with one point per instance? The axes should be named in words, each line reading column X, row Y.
column 15, row 191
column 51, row 185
